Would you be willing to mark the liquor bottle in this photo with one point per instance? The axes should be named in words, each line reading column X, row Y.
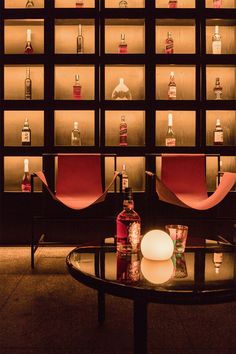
column 28, row 85
column 218, row 136
column 26, row 133
column 216, row 41
column 220, row 174
column 79, row 3
column 123, row 47
column 217, row 261
column 172, row 87
column 173, row 4
column 121, row 91
column 170, row 135
column 25, row 183
column 217, row 4
column 75, row 135
column 123, row 132
column 128, row 226
column 29, row 3
column 77, row 88
column 218, row 89
column 80, row 41
column 123, row 4
column 124, row 179
column 169, row 44
column 128, row 268
column 28, row 45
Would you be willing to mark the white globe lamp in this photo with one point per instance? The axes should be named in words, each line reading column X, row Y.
column 157, row 245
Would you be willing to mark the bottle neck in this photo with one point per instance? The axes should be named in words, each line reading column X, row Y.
column 128, row 204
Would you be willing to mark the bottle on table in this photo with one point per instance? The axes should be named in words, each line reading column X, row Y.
column 128, row 226
column 218, row 136
column 76, row 135
column 29, row 3
column 28, row 85
column 169, row 44
column 28, row 45
column 80, row 41
column 172, row 89
column 124, row 178
column 26, row 133
column 216, row 41
column 26, row 182
column 123, row 132
column 218, row 89
column 170, row 135
column 123, row 47
column 77, row 88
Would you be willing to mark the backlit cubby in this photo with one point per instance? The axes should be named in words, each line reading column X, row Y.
column 64, row 123
column 228, row 123
column 13, row 124
column 21, row 4
column 227, row 76
column 225, row 4
column 227, row 30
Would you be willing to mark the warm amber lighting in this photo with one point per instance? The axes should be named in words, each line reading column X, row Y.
column 157, row 272
column 157, row 245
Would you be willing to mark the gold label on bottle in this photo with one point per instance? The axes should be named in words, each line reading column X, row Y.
column 25, row 137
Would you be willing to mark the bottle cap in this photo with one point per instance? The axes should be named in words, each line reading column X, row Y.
column 123, row 167
column 122, row 118
column 80, row 29
column 170, row 121
column 76, row 124
column 218, row 121
column 28, row 35
column 121, row 80
column 76, row 77
column 216, row 29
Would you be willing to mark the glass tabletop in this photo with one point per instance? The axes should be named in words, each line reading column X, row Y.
column 201, row 272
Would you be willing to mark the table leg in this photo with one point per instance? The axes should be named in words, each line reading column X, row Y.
column 140, row 326
column 101, row 307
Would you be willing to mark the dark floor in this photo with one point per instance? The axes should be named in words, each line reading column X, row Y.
column 45, row 311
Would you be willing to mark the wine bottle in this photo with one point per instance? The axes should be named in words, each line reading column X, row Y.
column 77, row 88
column 128, row 226
column 28, row 45
column 172, row 89
column 218, row 138
column 217, row 261
column 79, row 3
column 169, row 44
column 28, row 85
column 124, row 178
column 170, row 135
column 218, row 89
column 123, row 47
column 26, row 183
column 217, row 4
column 123, row 132
column 80, row 41
column 29, row 3
column 123, row 4
column 121, row 91
column 173, row 4
column 216, row 41
column 76, row 135
column 26, row 133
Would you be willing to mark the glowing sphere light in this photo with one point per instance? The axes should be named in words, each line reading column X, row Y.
column 157, row 245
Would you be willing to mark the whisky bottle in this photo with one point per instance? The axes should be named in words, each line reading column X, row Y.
column 172, row 87
column 77, row 88
column 218, row 138
column 169, row 44
column 217, row 4
column 124, row 178
column 218, row 89
column 123, row 4
column 220, row 174
column 28, row 45
column 25, row 183
column 79, row 3
column 26, row 133
column 128, row 226
column 28, row 85
column 123, row 132
column 29, row 3
column 80, row 41
column 170, row 135
column 216, row 41
column 121, row 91
column 173, row 4
column 123, row 47
column 76, row 135
column 217, row 261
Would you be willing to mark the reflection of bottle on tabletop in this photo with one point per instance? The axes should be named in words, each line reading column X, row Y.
column 128, row 268
column 180, row 268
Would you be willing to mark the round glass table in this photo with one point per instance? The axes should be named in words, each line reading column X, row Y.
column 202, row 275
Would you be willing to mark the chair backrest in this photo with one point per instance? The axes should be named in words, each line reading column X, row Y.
column 184, row 173
column 79, row 174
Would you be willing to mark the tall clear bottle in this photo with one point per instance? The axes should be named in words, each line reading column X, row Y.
column 76, row 135
column 28, row 45
column 123, row 47
column 216, row 41
column 169, row 44
column 123, row 4
column 29, row 3
column 172, row 89
column 124, row 178
column 77, row 88
column 173, row 4
column 80, row 41
column 170, row 135
column 25, row 183
column 121, row 91
column 28, row 85
column 26, row 133
column 128, row 226
column 123, row 132
column 218, row 89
